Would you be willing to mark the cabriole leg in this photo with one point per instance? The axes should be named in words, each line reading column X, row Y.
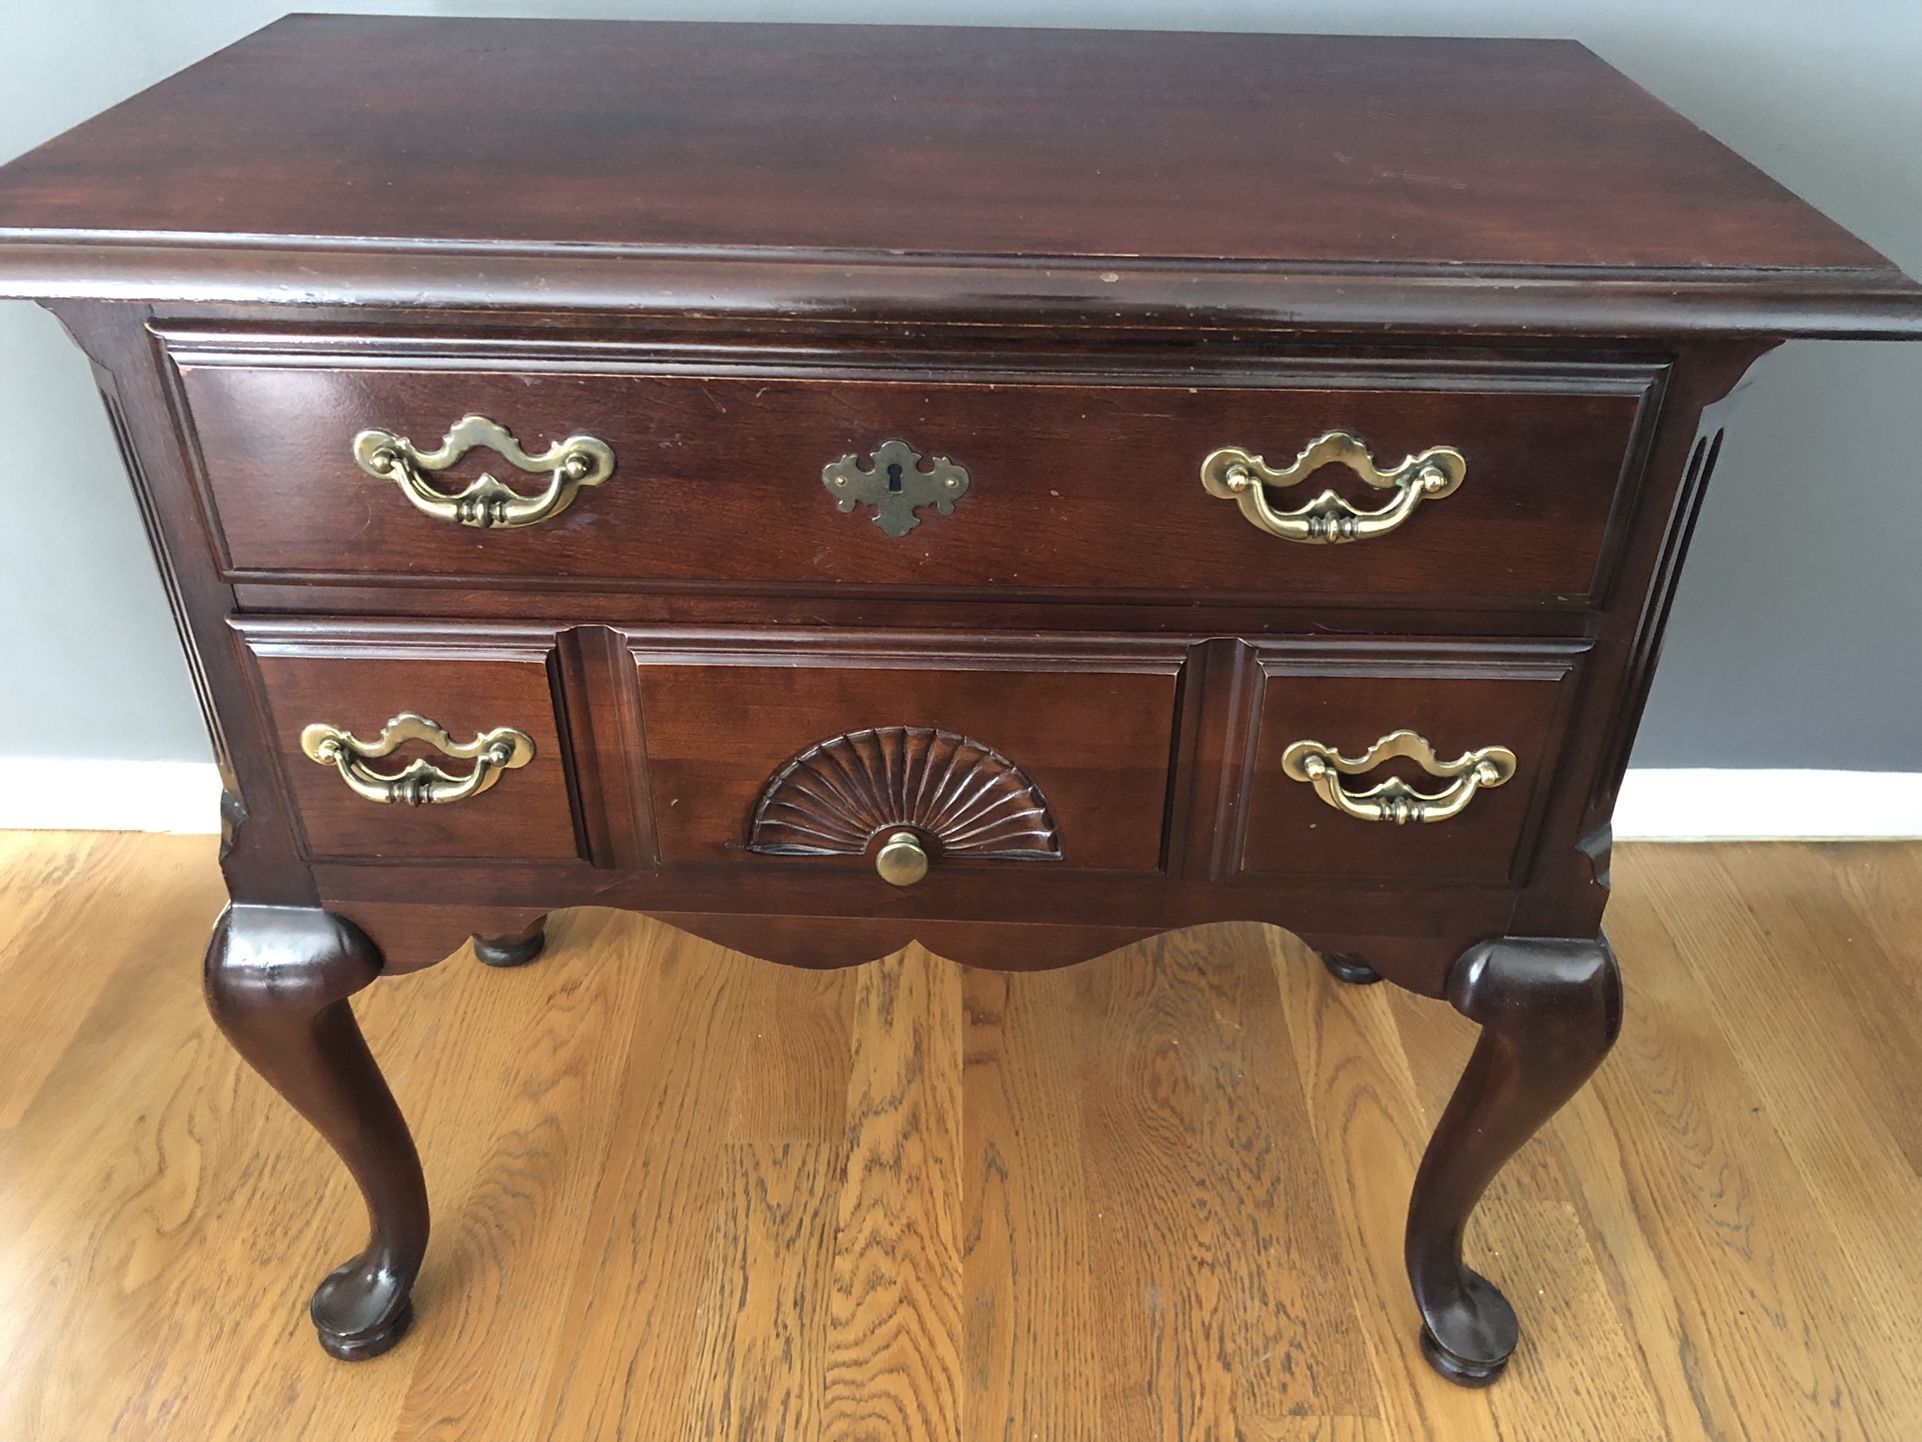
column 277, row 983
column 1549, row 1011
column 516, row 950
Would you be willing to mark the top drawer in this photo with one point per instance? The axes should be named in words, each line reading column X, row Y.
column 1053, row 481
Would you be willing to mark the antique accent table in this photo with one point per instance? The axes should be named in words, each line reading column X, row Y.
column 831, row 487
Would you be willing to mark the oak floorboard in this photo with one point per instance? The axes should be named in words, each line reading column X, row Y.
column 1528, row 1235
column 1369, row 1134
column 50, row 898
column 522, row 1164
column 1846, row 1153
column 681, row 1194
column 1031, row 1331
column 1158, row 1250
column 765, row 1323
column 1769, row 1306
column 625, row 1335
column 1296, row 1327
column 1872, row 993
column 892, row 1351
column 1213, row 1225
column 798, row 1031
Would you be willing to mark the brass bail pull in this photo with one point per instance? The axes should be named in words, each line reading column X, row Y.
column 1323, row 768
column 420, row 782
column 488, row 504
column 1243, row 477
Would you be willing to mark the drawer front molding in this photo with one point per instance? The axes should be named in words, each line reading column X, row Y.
column 839, row 797
column 994, row 749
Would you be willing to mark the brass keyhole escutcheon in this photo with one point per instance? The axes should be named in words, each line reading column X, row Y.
column 902, row 860
column 896, row 484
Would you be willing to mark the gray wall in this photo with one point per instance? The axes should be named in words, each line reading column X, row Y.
column 1794, row 638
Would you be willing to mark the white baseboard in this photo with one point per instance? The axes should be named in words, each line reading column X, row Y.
column 40, row 793
column 49, row 793
column 1709, row 805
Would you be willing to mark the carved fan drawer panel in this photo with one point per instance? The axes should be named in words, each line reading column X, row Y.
column 1470, row 481
column 407, row 752
column 1051, row 755
column 1397, row 761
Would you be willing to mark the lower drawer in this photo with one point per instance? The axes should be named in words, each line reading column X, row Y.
column 797, row 753
column 1399, row 762
column 969, row 769
column 403, row 749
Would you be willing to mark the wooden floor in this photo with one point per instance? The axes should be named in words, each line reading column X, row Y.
column 684, row 1195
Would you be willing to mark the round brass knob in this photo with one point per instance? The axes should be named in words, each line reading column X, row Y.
column 901, row 861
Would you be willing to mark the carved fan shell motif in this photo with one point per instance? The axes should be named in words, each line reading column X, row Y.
column 836, row 797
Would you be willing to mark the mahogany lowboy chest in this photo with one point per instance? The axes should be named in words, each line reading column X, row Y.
column 833, row 487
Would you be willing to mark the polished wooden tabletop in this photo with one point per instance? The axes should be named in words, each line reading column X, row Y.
column 1322, row 149
column 1381, row 184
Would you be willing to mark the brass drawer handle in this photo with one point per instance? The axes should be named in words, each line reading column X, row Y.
column 489, row 504
column 1395, row 800
column 1328, row 520
column 420, row 782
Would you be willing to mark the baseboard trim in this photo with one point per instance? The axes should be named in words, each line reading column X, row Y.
column 1717, row 805
column 40, row 793
column 58, row 793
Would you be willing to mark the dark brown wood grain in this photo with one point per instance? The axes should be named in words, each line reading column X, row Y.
column 1074, row 264
column 924, row 140
column 704, row 462
column 420, row 914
